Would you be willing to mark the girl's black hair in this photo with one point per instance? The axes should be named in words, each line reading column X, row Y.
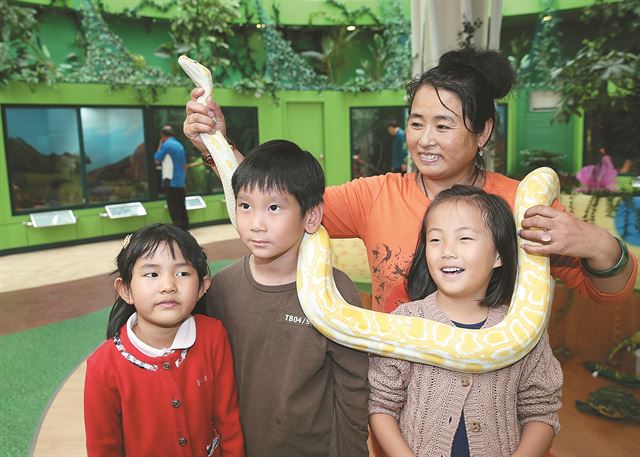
column 478, row 78
column 280, row 165
column 499, row 221
column 144, row 243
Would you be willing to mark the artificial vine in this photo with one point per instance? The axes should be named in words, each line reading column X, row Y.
column 22, row 56
column 202, row 29
column 107, row 61
column 546, row 51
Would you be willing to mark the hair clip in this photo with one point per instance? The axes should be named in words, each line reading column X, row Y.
column 125, row 243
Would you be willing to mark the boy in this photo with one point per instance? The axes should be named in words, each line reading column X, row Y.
column 300, row 394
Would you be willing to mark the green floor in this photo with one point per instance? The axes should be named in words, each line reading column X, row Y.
column 35, row 363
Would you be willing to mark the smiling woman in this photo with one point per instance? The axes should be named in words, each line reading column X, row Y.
column 452, row 114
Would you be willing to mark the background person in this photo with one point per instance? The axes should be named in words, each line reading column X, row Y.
column 398, row 147
column 173, row 159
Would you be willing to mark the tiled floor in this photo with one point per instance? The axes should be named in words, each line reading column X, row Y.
column 41, row 287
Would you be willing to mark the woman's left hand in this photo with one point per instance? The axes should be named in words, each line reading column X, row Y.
column 561, row 233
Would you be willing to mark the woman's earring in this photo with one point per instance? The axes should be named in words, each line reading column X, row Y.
column 481, row 152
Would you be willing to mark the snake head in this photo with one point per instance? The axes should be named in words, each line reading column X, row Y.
column 198, row 73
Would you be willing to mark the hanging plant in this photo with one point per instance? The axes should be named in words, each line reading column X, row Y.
column 107, row 61
column 22, row 56
column 202, row 29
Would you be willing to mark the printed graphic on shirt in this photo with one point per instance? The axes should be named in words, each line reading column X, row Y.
column 294, row 319
column 389, row 268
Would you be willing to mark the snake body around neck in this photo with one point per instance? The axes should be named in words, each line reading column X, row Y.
column 411, row 338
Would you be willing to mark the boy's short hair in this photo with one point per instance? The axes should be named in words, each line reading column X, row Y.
column 392, row 123
column 280, row 165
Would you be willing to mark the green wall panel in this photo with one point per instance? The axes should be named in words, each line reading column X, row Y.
column 58, row 30
column 143, row 37
column 125, row 225
column 318, row 120
column 13, row 236
column 196, row 216
column 305, row 126
column 48, row 235
column 89, row 223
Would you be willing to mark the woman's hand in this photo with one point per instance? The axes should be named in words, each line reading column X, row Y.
column 202, row 119
column 561, row 233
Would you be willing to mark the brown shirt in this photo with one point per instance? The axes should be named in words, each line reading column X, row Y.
column 428, row 401
column 300, row 394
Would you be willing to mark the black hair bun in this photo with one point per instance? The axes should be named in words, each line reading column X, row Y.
column 492, row 66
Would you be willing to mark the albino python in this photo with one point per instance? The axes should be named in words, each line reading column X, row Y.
column 411, row 338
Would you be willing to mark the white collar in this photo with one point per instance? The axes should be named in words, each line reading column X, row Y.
column 185, row 337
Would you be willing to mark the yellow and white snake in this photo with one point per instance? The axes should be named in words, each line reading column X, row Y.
column 411, row 338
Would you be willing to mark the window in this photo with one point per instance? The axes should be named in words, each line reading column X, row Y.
column 115, row 164
column 371, row 142
column 43, row 156
column 70, row 157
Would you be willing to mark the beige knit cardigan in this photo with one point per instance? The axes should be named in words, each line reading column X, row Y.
column 428, row 401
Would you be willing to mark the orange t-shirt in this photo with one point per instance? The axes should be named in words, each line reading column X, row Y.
column 386, row 212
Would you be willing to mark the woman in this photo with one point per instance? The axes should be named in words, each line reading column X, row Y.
column 452, row 116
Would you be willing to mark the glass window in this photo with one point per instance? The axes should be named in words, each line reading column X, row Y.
column 115, row 164
column 242, row 128
column 43, row 156
column 371, row 140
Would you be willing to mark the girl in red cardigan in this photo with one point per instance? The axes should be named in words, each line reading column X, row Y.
column 163, row 382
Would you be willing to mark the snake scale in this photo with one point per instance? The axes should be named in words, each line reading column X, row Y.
column 411, row 338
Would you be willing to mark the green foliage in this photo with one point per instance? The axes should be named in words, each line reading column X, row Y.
column 289, row 70
column 468, row 32
column 286, row 68
column 202, row 29
column 134, row 11
column 534, row 158
column 546, row 52
column 109, row 62
column 22, row 56
column 610, row 61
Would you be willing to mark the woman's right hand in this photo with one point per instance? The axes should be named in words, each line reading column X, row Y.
column 202, row 119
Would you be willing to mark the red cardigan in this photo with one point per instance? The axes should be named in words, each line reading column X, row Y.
column 183, row 404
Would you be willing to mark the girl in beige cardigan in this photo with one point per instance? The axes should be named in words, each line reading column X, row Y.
column 463, row 274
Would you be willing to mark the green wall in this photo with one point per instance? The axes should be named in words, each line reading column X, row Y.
column 536, row 130
column 318, row 120
column 292, row 12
